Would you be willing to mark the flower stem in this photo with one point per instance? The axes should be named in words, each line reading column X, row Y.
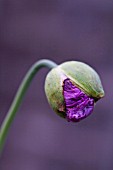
column 19, row 96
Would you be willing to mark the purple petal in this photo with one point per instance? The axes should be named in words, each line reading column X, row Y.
column 78, row 104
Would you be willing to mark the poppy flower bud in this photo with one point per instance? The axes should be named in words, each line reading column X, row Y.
column 72, row 90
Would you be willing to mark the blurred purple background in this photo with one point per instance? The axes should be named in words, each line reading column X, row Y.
column 59, row 30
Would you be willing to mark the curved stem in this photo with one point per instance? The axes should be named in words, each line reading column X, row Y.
column 19, row 96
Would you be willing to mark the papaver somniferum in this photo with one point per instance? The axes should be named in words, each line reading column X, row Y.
column 72, row 89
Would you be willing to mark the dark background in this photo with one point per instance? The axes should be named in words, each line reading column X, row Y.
column 59, row 30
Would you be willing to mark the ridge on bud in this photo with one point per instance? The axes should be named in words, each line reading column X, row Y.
column 72, row 89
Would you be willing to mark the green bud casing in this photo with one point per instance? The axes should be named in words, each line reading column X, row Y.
column 80, row 74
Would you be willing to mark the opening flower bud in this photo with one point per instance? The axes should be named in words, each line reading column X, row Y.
column 72, row 90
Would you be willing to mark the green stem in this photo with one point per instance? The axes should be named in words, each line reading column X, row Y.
column 19, row 96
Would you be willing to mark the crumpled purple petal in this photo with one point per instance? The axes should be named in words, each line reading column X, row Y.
column 78, row 104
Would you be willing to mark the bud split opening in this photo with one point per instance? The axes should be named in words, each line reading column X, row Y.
column 72, row 89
